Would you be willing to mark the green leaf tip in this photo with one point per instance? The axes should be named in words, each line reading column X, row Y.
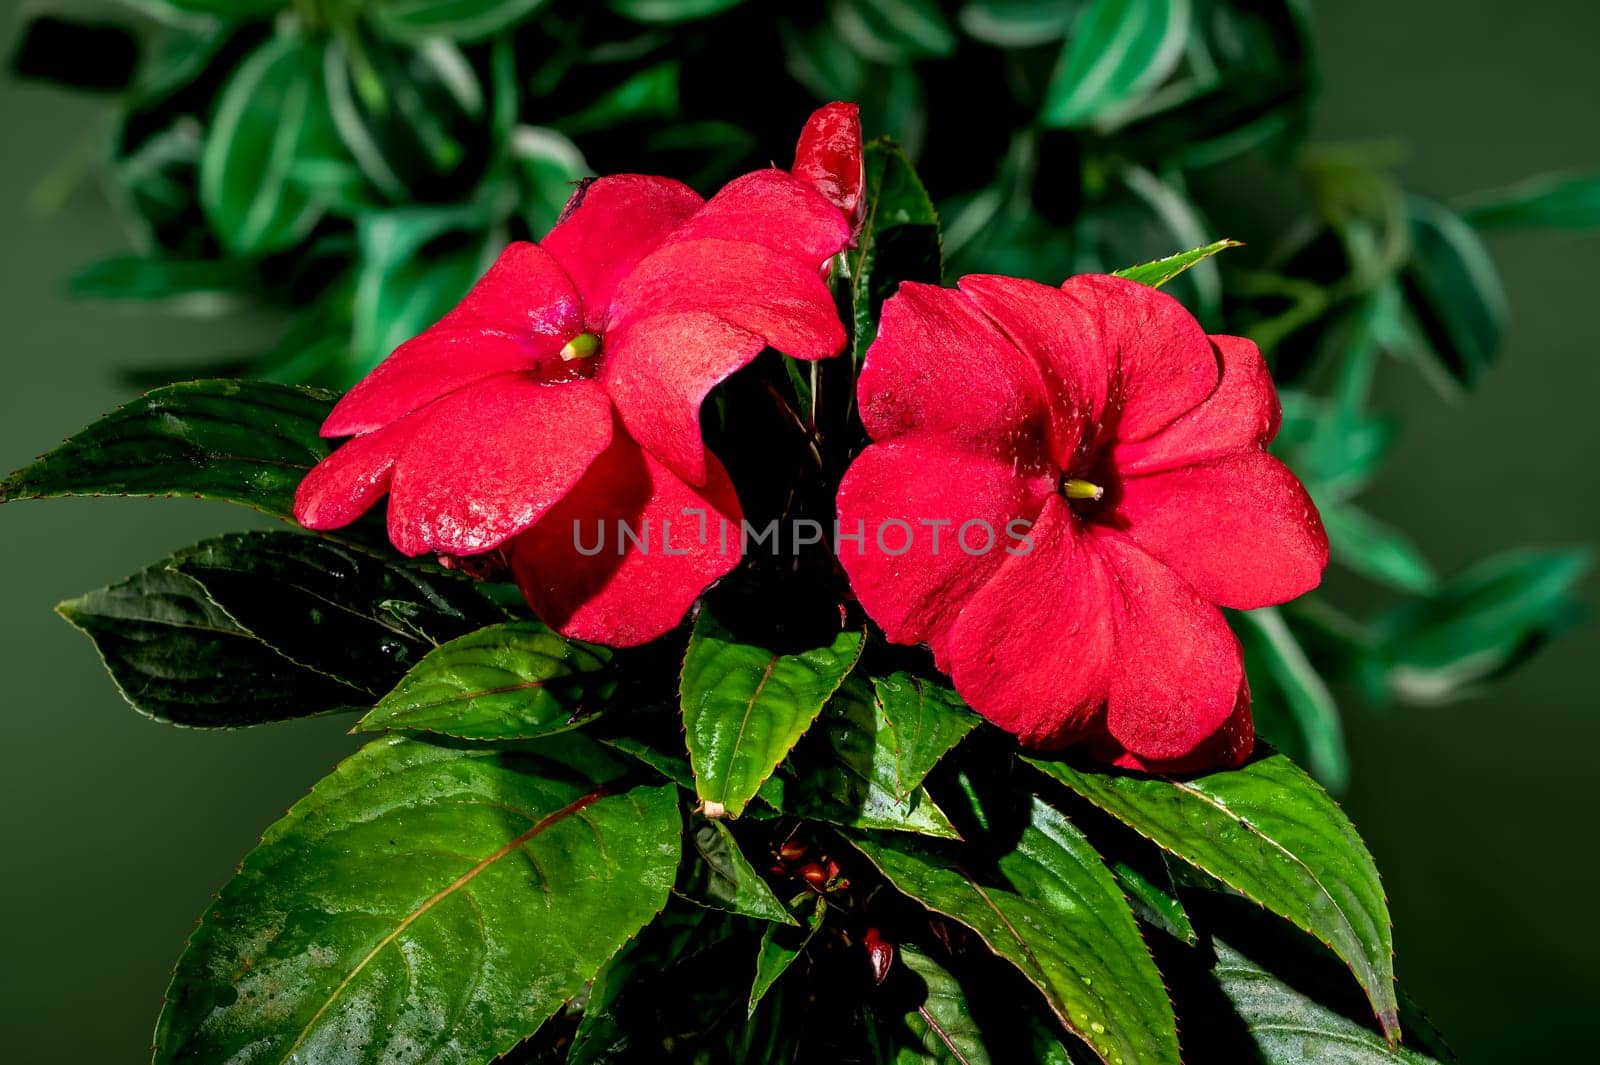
column 1159, row 271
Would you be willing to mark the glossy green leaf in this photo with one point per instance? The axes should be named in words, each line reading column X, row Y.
column 745, row 706
column 1279, row 670
column 1270, row 832
column 894, row 31
column 670, row 11
column 1559, row 201
column 1453, row 290
column 272, row 113
column 460, row 20
column 942, row 1027
column 1118, row 51
column 424, row 902
column 924, row 721
column 847, row 770
column 1381, row 552
column 716, row 874
column 241, row 441
column 335, row 609
column 511, row 681
column 1155, row 901
column 781, row 945
column 177, row 657
column 1050, row 907
column 1290, row 1028
column 1158, row 273
column 899, row 238
column 1018, row 23
column 1480, row 622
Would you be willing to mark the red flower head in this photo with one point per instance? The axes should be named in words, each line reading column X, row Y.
column 1097, row 466
column 566, row 387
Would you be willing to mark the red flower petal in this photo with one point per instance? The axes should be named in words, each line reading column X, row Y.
column 1160, row 360
column 343, row 486
column 751, row 287
column 1240, row 528
column 940, row 367
column 486, row 462
column 1228, row 748
column 774, row 209
column 609, row 225
column 1032, row 649
column 659, row 370
column 627, row 597
column 890, row 492
column 1177, row 667
column 829, row 156
column 1242, row 412
column 515, row 318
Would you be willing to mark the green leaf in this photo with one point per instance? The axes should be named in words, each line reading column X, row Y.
column 272, row 113
column 846, row 770
column 1279, row 670
column 1118, row 51
column 1048, row 906
column 512, row 681
column 1155, row 901
column 335, row 609
column 231, row 8
column 416, row 265
column 670, row 11
column 781, row 945
column 178, row 658
column 941, row 1025
column 894, row 31
column 242, row 441
column 716, row 874
column 1480, row 622
column 1268, row 831
column 424, row 902
column 649, row 95
column 459, row 20
column 1561, row 201
column 1158, row 273
column 899, row 238
column 745, row 706
column 1375, row 550
column 1018, row 23
column 1453, row 290
column 550, row 166
column 190, row 285
column 1289, row 1028
column 925, row 720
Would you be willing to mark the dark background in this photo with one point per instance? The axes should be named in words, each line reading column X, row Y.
column 115, row 831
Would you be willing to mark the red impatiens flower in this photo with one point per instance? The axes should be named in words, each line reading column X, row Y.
column 1097, row 467
column 566, row 388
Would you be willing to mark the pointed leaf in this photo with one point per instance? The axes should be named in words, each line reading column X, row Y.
column 745, row 706
column 1158, row 273
column 924, row 721
column 780, row 946
column 1270, row 832
column 1118, row 51
column 1052, row 909
column 1288, row 1028
column 177, row 657
column 1375, row 550
column 339, row 610
column 1561, row 201
column 1453, row 289
column 424, row 902
column 242, row 441
column 1155, row 901
column 846, row 771
column 459, row 20
column 716, row 874
column 1279, row 670
column 511, row 681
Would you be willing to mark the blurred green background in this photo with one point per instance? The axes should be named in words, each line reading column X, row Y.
column 118, row 829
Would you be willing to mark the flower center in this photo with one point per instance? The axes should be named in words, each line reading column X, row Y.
column 1073, row 488
column 582, row 346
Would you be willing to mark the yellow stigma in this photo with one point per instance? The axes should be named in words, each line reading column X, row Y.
column 581, row 346
column 1075, row 489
